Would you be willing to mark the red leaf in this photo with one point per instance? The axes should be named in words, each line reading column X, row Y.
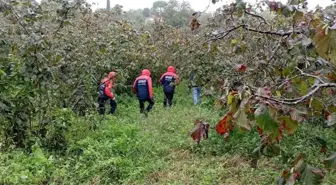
column 241, row 68
column 251, row 110
column 323, row 150
column 260, row 131
column 224, row 126
column 326, row 114
column 200, row 131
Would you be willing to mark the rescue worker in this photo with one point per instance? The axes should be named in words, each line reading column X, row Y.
column 169, row 80
column 142, row 87
column 105, row 93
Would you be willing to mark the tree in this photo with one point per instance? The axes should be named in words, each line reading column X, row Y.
column 177, row 14
column 146, row 12
column 117, row 9
column 136, row 17
column 158, row 7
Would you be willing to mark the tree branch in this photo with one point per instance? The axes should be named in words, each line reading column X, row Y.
column 305, row 74
column 272, row 32
column 291, row 101
column 226, row 32
column 21, row 24
column 295, row 101
column 257, row 16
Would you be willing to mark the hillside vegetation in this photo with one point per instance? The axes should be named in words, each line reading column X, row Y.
column 130, row 149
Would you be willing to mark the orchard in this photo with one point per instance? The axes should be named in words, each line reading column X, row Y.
column 268, row 68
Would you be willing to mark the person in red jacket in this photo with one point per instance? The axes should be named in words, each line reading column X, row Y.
column 169, row 80
column 142, row 87
column 105, row 93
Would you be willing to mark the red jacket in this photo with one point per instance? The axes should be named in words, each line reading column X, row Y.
column 142, row 85
column 108, row 85
column 169, row 79
column 170, row 72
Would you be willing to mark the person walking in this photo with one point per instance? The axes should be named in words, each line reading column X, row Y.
column 105, row 93
column 169, row 80
column 143, row 89
column 195, row 87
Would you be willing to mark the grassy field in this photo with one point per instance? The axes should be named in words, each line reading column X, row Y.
column 130, row 149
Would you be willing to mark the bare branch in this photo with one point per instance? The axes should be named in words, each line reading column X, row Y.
column 305, row 74
column 295, row 101
column 291, row 101
column 258, row 16
column 21, row 24
column 225, row 33
column 286, row 80
column 272, row 32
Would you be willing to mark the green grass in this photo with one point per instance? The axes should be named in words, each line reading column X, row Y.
column 130, row 149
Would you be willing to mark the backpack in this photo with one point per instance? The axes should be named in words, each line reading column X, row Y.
column 101, row 89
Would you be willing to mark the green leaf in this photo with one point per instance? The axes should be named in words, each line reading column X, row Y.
column 295, row 51
column 269, row 126
column 257, row 152
column 294, row 2
column 242, row 121
column 312, row 176
column 234, row 42
column 289, row 125
column 58, row 58
column 303, row 88
column 7, row 12
column 321, row 42
column 299, row 164
column 297, row 16
column 330, row 162
column 229, row 99
column 65, row 23
column 2, row 72
column 316, row 105
column 271, row 150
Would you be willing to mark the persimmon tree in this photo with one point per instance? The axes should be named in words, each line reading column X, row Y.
column 54, row 55
column 280, row 69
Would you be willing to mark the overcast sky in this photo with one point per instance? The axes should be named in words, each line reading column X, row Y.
column 198, row 5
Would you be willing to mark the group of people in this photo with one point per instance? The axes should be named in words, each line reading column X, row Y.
column 142, row 88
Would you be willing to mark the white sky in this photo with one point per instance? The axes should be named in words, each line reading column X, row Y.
column 198, row 5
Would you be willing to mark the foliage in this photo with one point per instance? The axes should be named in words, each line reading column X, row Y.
column 124, row 149
column 303, row 173
column 200, row 131
column 294, row 62
column 273, row 73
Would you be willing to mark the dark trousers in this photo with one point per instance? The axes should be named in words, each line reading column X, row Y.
column 168, row 98
column 101, row 102
column 142, row 105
